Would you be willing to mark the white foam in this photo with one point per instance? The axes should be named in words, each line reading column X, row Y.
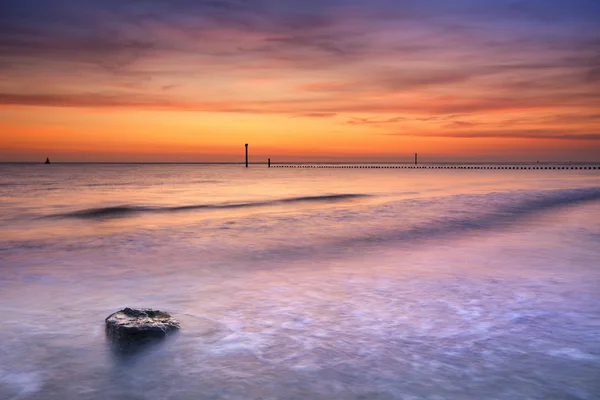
column 575, row 354
column 22, row 383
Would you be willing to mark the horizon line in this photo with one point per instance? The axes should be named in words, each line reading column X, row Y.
column 297, row 162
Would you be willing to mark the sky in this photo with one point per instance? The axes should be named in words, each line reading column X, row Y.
column 326, row 80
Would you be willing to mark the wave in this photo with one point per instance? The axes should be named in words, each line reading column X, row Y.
column 500, row 207
column 506, row 208
column 480, row 214
column 111, row 184
column 124, row 210
column 551, row 199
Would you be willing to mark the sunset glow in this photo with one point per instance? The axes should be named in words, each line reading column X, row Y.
column 340, row 80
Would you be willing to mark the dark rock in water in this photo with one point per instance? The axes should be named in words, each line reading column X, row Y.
column 139, row 325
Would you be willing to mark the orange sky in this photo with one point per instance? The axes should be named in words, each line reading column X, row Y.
column 315, row 83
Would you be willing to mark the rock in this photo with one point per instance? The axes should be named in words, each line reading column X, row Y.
column 135, row 325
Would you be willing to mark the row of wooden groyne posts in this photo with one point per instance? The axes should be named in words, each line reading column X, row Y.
column 416, row 166
column 546, row 167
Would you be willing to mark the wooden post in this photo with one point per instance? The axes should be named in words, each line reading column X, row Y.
column 246, row 155
column 415, row 158
column 269, row 163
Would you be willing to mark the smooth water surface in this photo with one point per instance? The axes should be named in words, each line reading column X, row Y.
column 301, row 283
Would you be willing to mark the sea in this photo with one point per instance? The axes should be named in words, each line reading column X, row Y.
column 301, row 283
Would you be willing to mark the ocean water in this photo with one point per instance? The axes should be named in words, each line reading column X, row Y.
column 301, row 283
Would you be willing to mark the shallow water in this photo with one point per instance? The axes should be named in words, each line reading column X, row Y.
column 298, row 284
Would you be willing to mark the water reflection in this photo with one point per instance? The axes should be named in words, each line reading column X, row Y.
column 455, row 292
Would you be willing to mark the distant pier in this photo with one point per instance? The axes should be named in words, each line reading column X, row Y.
column 436, row 166
column 590, row 166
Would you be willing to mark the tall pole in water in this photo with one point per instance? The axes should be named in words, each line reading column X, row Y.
column 269, row 163
column 415, row 158
column 246, row 155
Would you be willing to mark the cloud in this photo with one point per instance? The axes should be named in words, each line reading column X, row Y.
column 324, row 87
column 460, row 124
column 423, row 110
column 374, row 120
column 93, row 100
column 426, row 59
column 508, row 134
column 316, row 115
